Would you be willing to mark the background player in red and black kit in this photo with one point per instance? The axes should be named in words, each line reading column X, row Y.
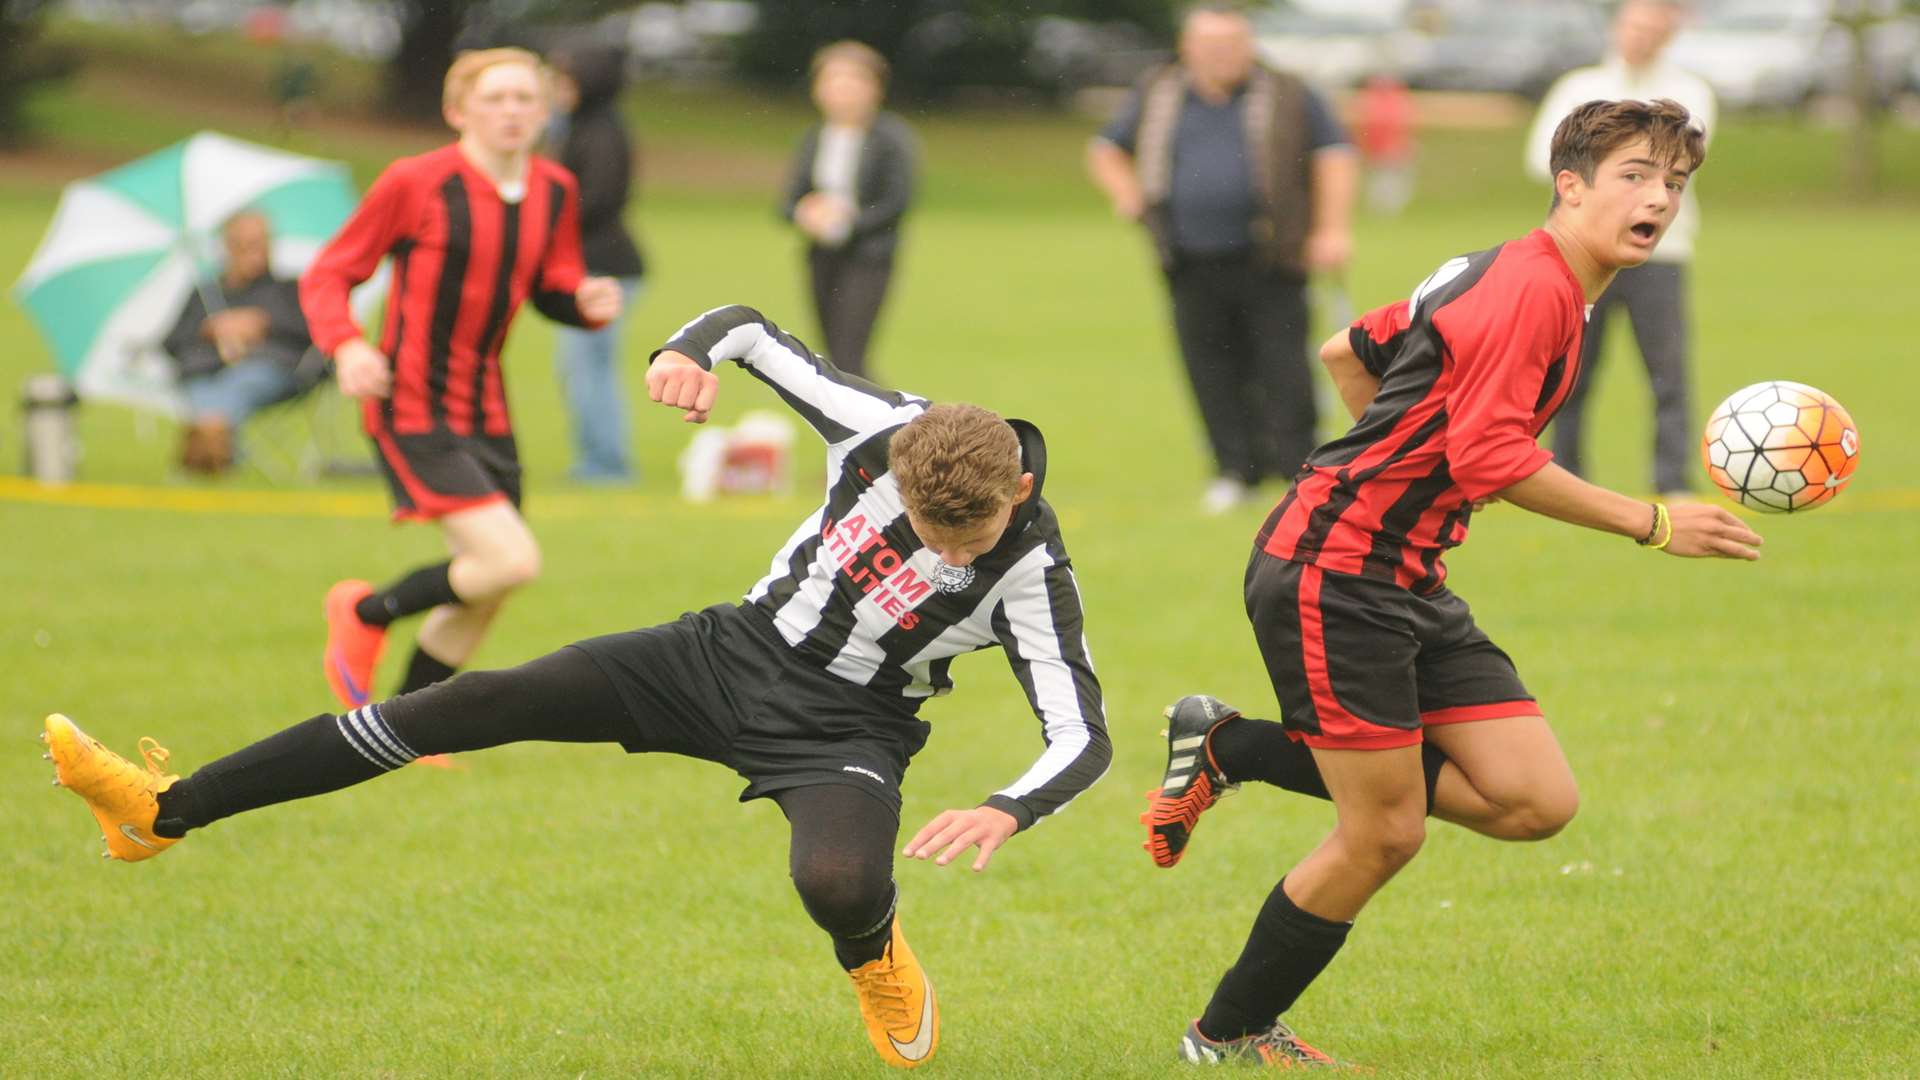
column 1368, row 651
column 474, row 229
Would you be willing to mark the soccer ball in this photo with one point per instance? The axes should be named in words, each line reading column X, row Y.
column 1780, row 446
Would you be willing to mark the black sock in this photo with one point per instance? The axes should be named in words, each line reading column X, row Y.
column 316, row 756
column 423, row 671
column 852, row 952
column 1286, row 951
column 1249, row 749
column 560, row 697
column 841, row 862
column 427, row 587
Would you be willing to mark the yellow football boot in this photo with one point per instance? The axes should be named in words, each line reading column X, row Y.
column 896, row 1001
column 123, row 796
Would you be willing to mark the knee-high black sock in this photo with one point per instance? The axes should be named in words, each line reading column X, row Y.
column 423, row 671
column 316, row 756
column 427, row 587
column 1249, row 749
column 1286, row 951
column 560, row 697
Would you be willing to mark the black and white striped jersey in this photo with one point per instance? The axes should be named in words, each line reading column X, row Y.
column 854, row 591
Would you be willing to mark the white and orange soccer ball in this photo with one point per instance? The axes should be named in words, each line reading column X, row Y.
column 1780, row 447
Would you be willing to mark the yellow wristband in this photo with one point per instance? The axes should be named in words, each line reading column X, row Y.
column 1662, row 517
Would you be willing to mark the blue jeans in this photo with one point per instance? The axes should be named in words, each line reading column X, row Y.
column 237, row 391
column 588, row 364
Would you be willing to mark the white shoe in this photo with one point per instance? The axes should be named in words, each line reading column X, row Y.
column 1223, row 495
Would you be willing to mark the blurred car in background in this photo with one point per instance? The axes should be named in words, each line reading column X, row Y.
column 369, row 29
column 690, row 40
column 1515, row 48
column 1069, row 55
column 1334, row 46
column 1781, row 54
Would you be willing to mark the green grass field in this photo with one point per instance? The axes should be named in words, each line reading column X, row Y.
column 1736, row 899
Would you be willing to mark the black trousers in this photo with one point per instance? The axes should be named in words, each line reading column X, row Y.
column 1243, row 334
column 848, row 290
column 1654, row 296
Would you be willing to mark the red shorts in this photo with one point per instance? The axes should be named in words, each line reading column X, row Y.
column 1365, row 664
column 441, row 473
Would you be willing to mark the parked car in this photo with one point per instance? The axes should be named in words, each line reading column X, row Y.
column 1515, row 48
column 1333, row 48
column 1758, row 54
column 682, row 40
column 1780, row 54
column 1068, row 55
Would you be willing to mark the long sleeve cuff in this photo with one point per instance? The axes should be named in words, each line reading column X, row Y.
column 1019, row 810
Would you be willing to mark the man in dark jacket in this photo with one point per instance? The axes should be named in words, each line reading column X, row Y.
column 237, row 345
column 851, row 182
column 592, row 143
column 1244, row 181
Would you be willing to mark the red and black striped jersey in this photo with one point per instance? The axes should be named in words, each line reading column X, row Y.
column 1471, row 370
column 464, row 258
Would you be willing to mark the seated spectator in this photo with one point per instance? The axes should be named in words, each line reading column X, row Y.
column 238, row 345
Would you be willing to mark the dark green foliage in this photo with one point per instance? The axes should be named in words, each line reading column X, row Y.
column 26, row 63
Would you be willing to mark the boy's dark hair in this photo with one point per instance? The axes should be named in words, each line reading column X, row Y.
column 1598, row 128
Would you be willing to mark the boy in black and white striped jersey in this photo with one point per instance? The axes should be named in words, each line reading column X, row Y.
column 933, row 541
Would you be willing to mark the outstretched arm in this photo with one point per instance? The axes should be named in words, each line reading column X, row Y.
column 837, row 405
column 1039, row 625
column 1692, row 530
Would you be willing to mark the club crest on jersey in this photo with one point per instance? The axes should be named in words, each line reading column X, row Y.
column 882, row 573
column 952, row 579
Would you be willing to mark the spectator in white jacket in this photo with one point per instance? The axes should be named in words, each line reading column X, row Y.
column 1654, row 294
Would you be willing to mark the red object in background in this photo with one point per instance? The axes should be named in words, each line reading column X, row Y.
column 1385, row 127
column 266, row 24
column 754, row 468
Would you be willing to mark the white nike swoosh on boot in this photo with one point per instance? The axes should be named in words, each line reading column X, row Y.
column 127, row 831
column 923, row 1041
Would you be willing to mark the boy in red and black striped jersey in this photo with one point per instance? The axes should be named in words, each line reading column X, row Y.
column 474, row 229
column 1369, row 652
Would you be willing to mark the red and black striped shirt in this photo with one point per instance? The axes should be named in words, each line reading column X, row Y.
column 464, row 258
column 1471, row 370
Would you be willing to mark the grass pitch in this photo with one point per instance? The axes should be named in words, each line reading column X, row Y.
column 1736, row 898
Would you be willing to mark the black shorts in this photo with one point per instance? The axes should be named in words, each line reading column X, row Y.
column 720, row 684
column 440, row 473
column 1365, row 664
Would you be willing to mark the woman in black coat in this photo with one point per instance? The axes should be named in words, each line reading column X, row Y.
column 851, row 183
column 592, row 143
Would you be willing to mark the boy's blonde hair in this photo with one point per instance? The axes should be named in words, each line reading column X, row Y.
column 467, row 67
column 957, row 465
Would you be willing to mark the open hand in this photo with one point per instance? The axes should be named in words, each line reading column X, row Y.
column 677, row 381
column 957, row 830
column 1702, row 530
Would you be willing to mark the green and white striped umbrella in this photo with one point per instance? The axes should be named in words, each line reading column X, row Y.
column 125, row 248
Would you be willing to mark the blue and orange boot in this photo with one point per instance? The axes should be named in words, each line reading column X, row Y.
column 353, row 647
